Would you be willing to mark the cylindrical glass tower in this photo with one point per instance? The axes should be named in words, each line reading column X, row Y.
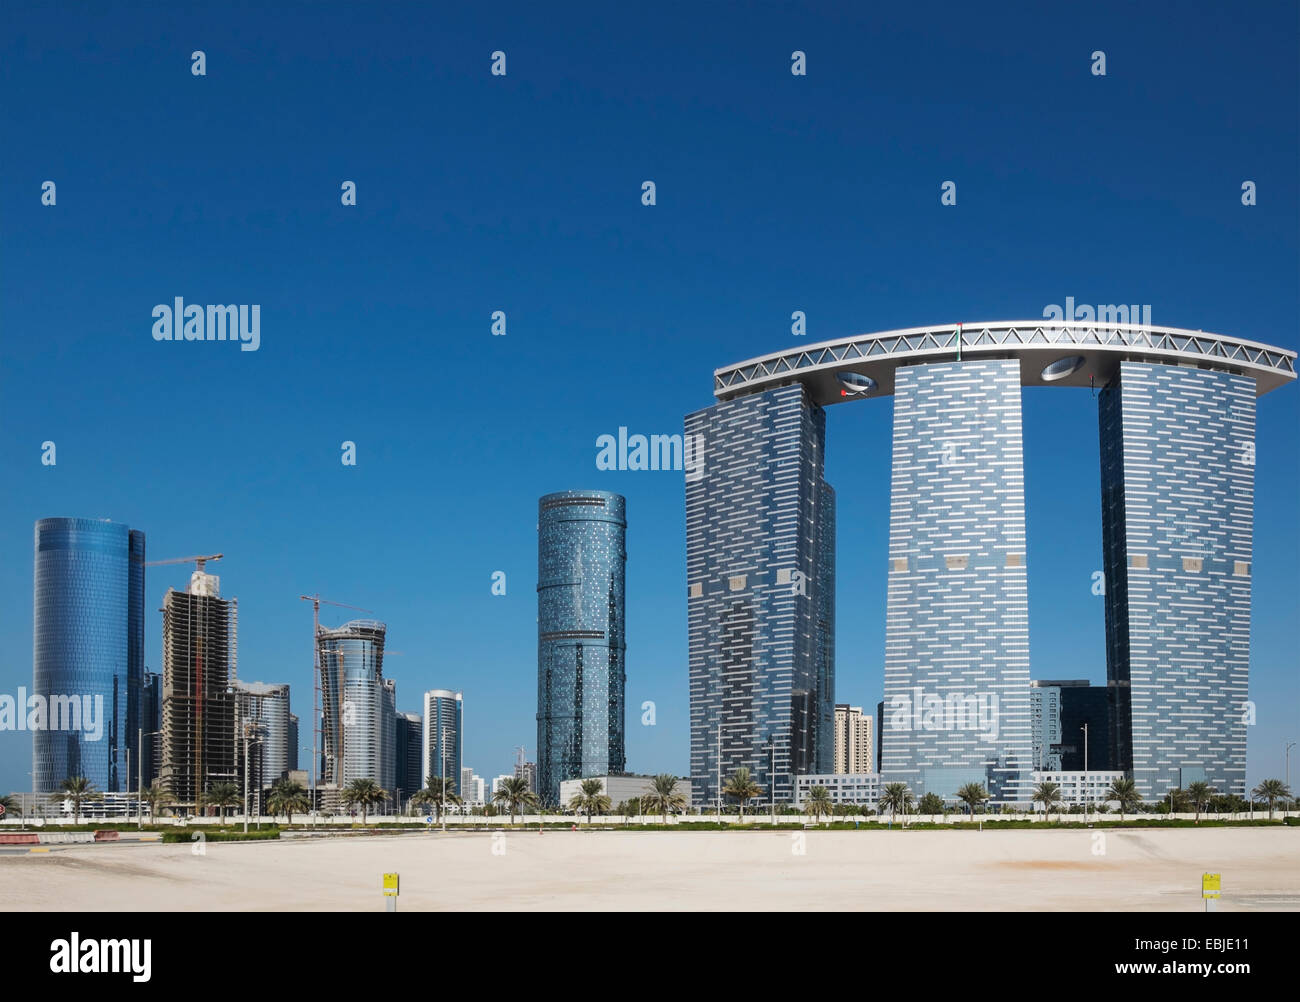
column 352, row 703
column 580, row 637
column 444, row 723
column 87, row 651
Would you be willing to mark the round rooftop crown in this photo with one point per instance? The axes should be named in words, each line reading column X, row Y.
column 1056, row 353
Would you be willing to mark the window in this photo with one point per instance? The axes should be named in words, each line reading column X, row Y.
column 1192, row 564
column 697, row 589
column 1138, row 560
column 899, row 564
column 737, row 582
column 957, row 562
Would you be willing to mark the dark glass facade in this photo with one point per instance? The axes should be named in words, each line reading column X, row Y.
column 581, row 646
column 760, row 551
column 88, row 644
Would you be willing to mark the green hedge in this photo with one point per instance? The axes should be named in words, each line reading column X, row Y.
column 187, row 835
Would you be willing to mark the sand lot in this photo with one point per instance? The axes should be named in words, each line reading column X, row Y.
column 1140, row 870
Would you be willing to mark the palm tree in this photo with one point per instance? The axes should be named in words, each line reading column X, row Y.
column 364, row 793
column 223, row 795
column 897, row 797
column 77, row 789
column 1125, row 792
column 590, row 798
column 818, row 802
column 1200, row 794
column 1047, row 794
column 155, row 796
column 287, row 795
column 514, row 794
column 742, row 787
column 1271, row 790
column 1178, row 801
column 437, row 791
column 972, row 795
column 663, row 796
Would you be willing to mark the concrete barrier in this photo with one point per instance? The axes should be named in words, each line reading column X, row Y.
column 19, row 838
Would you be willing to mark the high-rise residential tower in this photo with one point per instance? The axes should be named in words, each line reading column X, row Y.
column 1178, row 489
column 356, row 727
column 760, row 544
column 88, row 649
column 198, row 728
column 581, row 643
column 854, row 748
column 410, row 754
column 444, row 724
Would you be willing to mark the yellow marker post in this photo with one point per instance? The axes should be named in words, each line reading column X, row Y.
column 1211, row 886
column 391, row 891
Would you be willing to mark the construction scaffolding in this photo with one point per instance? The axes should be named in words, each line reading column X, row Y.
column 198, row 727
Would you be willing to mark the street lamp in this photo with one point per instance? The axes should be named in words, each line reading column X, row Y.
column 1287, row 751
column 1086, row 790
column 139, row 796
column 251, row 727
column 312, row 760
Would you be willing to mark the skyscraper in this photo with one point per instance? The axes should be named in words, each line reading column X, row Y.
column 444, row 720
column 957, row 619
column 293, row 742
column 151, row 696
column 88, row 648
column 199, row 731
column 267, row 708
column 410, row 755
column 760, row 541
column 581, row 645
column 355, row 704
column 1178, row 487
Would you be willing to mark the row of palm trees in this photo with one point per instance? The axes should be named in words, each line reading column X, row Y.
column 288, row 797
column 897, row 798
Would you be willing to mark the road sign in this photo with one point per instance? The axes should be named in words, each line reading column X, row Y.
column 2, row 810
column 1210, row 885
column 428, row 819
column 390, row 885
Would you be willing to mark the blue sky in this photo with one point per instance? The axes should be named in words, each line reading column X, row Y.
column 522, row 193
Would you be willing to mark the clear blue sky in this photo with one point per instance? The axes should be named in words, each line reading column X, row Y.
column 478, row 193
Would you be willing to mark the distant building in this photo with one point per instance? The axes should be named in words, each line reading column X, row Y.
column 266, row 708
column 843, row 788
column 853, row 745
column 151, row 724
column 1045, row 721
column 293, row 742
column 1090, row 705
column 619, row 788
column 528, row 771
column 410, row 754
column 880, row 726
column 199, row 731
column 444, row 717
column 1079, row 787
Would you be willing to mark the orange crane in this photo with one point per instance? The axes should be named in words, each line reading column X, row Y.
column 316, row 601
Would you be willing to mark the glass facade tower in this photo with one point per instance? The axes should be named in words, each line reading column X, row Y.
column 1178, row 484
column 444, row 724
column 956, row 706
column 88, row 646
column 760, row 546
column 581, row 680
column 358, row 734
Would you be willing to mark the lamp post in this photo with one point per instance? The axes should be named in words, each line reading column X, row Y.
column 1287, row 751
column 139, row 797
column 312, row 788
column 1086, row 791
column 250, row 727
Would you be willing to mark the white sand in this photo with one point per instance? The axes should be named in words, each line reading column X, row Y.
column 1141, row 870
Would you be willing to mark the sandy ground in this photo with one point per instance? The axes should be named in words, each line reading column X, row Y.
column 1141, row 870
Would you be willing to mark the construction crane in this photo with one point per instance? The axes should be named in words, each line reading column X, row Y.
column 199, row 562
column 316, row 601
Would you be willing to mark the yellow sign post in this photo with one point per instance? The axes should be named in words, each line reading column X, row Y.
column 1211, row 885
column 390, row 891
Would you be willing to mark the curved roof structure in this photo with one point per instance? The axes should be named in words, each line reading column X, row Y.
column 1064, row 353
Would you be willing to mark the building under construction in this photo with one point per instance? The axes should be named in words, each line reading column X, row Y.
column 198, row 711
